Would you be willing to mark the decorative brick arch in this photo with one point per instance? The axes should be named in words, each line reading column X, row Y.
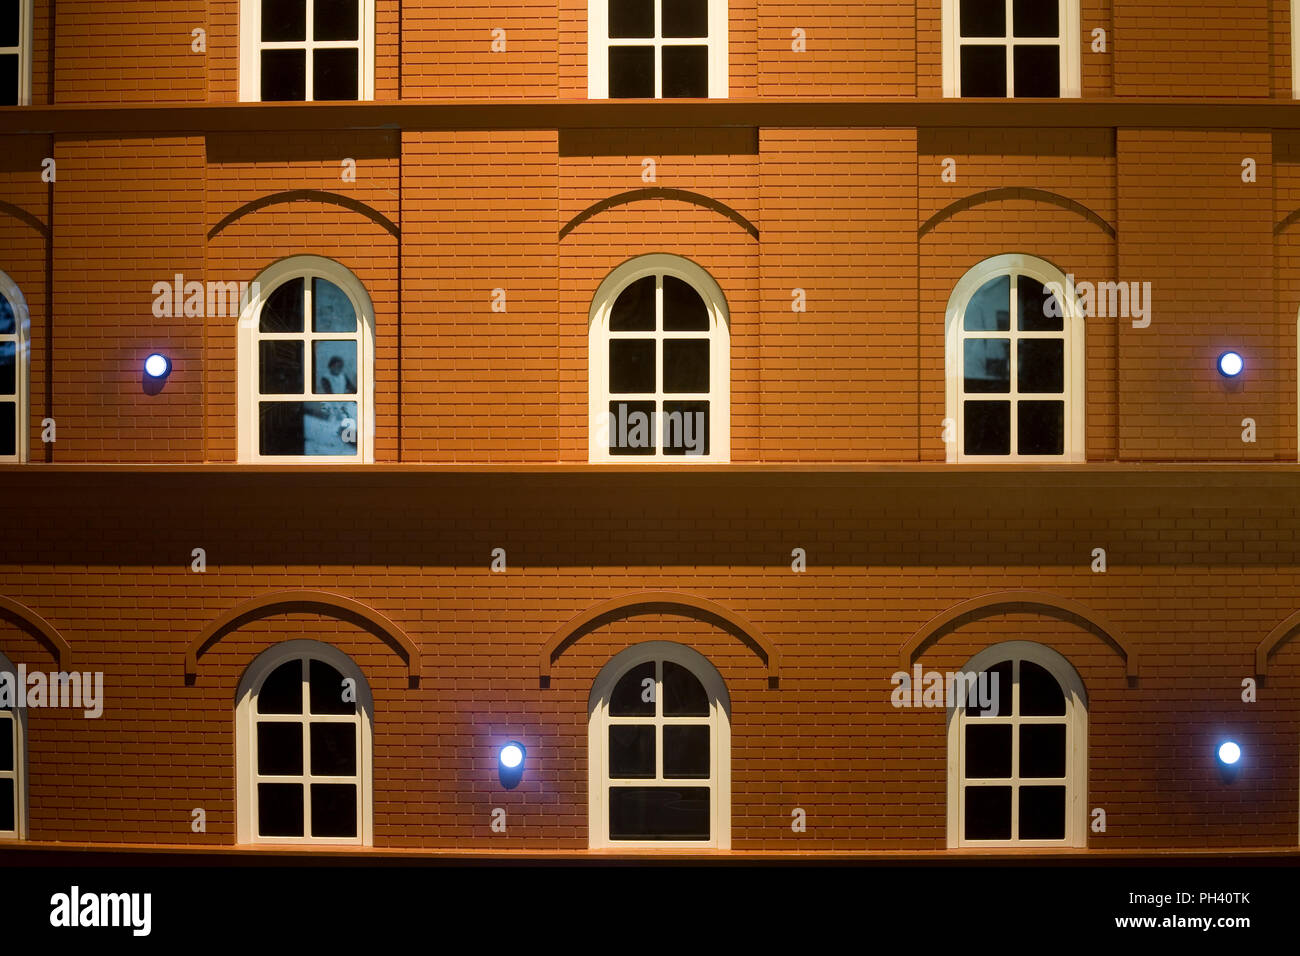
column 1274, row 641
column 1015, row 192
column 659, row 602
column 1010, row 602
column 307, row 195
column 317, row 602
column 660, row 192
column 38, row 627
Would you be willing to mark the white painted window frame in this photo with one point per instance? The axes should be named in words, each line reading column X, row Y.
column 599, row 42
column 719, row 335
column 251, row 45
column 24, row 51
column 599, row 721
column 18, row 723
column 1295, row 49
column 1072, row 333
column 246, row 719
column 275, row 275
column 1076, row 746
column 1068, row 20
column 21, row 338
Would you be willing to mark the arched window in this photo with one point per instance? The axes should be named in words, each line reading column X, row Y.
column 306, row 362
column 656, row 48
column 13, row 755
column 303, row 747
column 14, row 356
column 306, row 50
column 1017, row 770
column 1014, row 364
column 1011, row 48
column 660, row 365
column 659, row 750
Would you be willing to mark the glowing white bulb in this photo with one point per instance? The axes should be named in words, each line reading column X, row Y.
column 1229, row 752
column 156, row 365
column 512, row 755
column 1231, row 364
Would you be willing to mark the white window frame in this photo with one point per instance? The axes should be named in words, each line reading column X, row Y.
column 1068, row 20
column 1072, row 333
column 21, row 338
column 598, row 723
column 719, row 336
column 246, row 718
column 19, row 773
column 1076, row 746
column 251, row 45
column 1295, row 49
column 24, row 51
column 305, row 267
column 599, row 42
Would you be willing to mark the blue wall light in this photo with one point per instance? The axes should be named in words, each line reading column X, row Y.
column 510, row 763
column 157, row 365
column 1229, row 753
column 1231, row 364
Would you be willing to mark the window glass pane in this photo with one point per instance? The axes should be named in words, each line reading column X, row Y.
column 336, row 75
column 333, row 810
column 8, row 428
column 987, row 365
column 686, row 71
column 986, row 428
column 684, row 308
column 632, row 428
column 634, row 309
column 1038, row 70
column 284, row 20
column 9, row 32
column 1042, row 813
column 7, row 740
column 335, row 19
column 283, row 309
column 631, row 365
column 988, row 813
column 9, row 79
column 1035, row 301
column 631, row 751
column 1042, row 750
column 1041, row 428
column 686, row 365
column 1040, row 694
column 284, row 75
column 686, row 428
column 8, row 806
column 334, row 749
column 8, row 368
column 334, row 368
column 279, row 748
column 989, row 309
column 329, row 428
column 327, row 690
column 1040, row 366
column 1034, row 18
column 659, row 813
column 332, row 309
column 983, row 18
column 684, row 695
column 280, row 366
column 983, row 70
column 998, row 687
column 686, row 752
column 8, row 323
column 279, row 809
column 631, row 72
column 281, row 692
column 988, row 750
column 631, row 18
column 629, row 698
column 280, row 428
column 685, row 18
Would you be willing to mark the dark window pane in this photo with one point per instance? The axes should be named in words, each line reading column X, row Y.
column 8, row 428
column 281, row 428
column 9, row 79
column 659, row 813
column 988, row 750
column 280, row 365
column 631, row 18
column 631, row 751
column 9, row 32
column 8, row 368
column 686, row 71
column 336, row 75
column 7, row 741
column 284, row 20
column 281, row 692
column 989, row 309
column 686, row 752
column 1034, row 18
column 685, row 18
column 283, row 309
column 631, row 365
column 334, row 368
column 284, row 75
column 327, row 690
column 279, row 809
column 634, row 309
column 279, row 748
column 632, row 428
column 987, row 365
column 983, row 71
column 983, row 18
column 331, row 308
column 1040, row 694
column 335, row 19
column 1038, row 70
column 1041, row 428
column 8, row 323
column 686, row 365
column 1040, row 366
column 333, row 750
column 684, row 309
column 333, row 810
column 8, row 806
column 684, row 695
column 1042, row 750
column 1042, row 813
column 686, row 428
column 1035, row 302
column 988, row 813
column 631, row 72
column 329, row 428
column 629, row 697
column 987, row 428
column 998, row 684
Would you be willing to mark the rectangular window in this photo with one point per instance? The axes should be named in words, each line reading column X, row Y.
column 657, row 49
column 304, row 50
column 1011, row 48
column 15, row 52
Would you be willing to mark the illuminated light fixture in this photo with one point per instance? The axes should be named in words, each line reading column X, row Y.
column 512, row 755
column 1231, row 364
column 157, row 365
column 1229, row 753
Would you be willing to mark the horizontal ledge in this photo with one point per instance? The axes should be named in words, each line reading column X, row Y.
column 173, row 119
